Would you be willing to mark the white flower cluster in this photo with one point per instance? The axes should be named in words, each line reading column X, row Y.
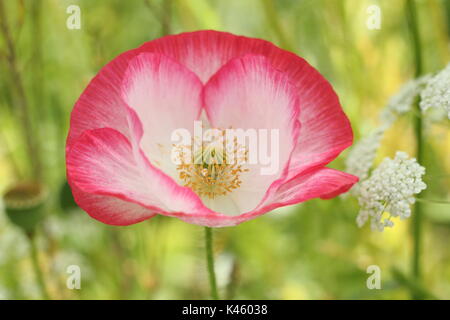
column 403, row 101
column 391, row 189
column 437, row 92
column 361, row 156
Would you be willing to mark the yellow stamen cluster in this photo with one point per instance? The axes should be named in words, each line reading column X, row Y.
column 208, row 172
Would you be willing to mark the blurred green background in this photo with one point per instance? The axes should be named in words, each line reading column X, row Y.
column 309, row 251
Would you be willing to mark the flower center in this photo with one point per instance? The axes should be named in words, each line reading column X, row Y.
column 214, row 167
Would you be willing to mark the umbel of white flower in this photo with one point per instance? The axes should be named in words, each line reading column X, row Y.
column 403, row 100
column 361, row 157
column 389, row 192
column 437, row 92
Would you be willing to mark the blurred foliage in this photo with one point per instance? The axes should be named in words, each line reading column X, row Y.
column 310, row 251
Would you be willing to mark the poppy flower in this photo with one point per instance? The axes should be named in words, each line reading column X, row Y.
column 119, row 146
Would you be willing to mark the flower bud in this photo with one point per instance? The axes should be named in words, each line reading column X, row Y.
column 23, row 204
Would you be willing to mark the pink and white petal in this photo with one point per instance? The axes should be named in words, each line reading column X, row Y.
column 203, row 52
column 249, row 94
column 100, row 105
column 325, row 129
column 322, row 183
column 111, row 210
column 102, row 162
column 165, row 96
column 173, row 91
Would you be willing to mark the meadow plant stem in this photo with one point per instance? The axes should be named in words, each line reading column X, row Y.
column 36, row 266
column 411, row 12
column 21, row 97
column 417, row 218
column 210, row 262
column 166, row 17
column 418, row 289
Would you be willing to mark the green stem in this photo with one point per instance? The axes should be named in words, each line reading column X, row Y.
column 411, row 13
column 414, row 287
column 166, row 17
column 418, row 215
column 21, row 98
column 37, row 268
column 210, row 262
